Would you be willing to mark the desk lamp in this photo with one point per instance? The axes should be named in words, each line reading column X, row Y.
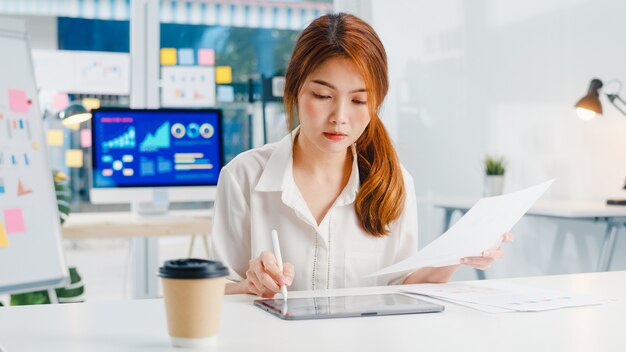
column 74, row 114
column 589, row 106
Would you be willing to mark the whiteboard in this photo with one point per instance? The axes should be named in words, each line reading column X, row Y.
column 82, row 71
column 31, row 255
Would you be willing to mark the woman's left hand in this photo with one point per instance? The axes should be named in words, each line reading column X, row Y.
column 489, row 256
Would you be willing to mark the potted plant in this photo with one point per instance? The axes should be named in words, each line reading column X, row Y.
column 494, row 175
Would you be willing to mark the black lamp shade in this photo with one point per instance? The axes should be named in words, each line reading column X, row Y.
column 74, row 115
column 591, row 101
column 71, row 110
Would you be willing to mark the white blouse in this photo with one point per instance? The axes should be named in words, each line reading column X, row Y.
column 256, row 193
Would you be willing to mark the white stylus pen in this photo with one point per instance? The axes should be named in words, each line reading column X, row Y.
column 279, row 259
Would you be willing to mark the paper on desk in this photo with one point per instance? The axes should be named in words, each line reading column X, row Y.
column 487, row 295
column 482, row 308
column 480, row 229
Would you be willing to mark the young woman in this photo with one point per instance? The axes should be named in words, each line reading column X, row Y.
column 333, row 188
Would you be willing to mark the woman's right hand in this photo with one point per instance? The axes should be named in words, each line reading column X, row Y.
column 263, row 277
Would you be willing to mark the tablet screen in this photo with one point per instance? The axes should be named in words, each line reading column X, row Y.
column 347, row 306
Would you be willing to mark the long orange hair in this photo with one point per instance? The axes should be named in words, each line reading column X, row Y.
column 381, row 197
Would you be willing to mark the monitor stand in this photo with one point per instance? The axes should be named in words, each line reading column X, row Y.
column 158, row 207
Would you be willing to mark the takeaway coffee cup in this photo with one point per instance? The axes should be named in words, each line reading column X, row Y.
column 193, row 291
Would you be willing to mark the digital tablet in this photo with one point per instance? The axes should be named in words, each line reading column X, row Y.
column 347, row 306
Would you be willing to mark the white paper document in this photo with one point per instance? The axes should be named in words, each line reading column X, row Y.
column 480, row 229
column 495, row 297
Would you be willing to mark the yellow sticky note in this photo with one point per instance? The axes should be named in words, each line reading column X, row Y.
column 4, row 241
column 223, row 75
column 74, row 158
column 168, row 56
column 73, row 127
column 90, row 103
column 55, row 138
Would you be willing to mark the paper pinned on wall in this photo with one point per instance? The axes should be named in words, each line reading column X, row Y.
column 18, row 100
column 85, row 72
column 185, row 56
column 206, row 57
column 168, row 56
column 187, row 86
column 4, row 241
column 74, row 158
column 223, row 75
column 85, row 138
column 479, row 229
column 14, row 220
column 54, row 139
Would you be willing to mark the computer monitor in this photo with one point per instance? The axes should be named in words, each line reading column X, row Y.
column 155, row 156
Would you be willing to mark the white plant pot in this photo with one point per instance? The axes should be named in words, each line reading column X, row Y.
column 494, row 185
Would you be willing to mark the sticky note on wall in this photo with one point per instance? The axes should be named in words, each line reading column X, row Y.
column 4, row 241
column 223, row 75
column 14, row 220
column 60, row 101
column 185, row 56
column 168, row 56
column 226, row 94
column 18, row 101
column 55, row 138
column 74, row 158
column 85, row 138
column 90, row 103
column 206, row 57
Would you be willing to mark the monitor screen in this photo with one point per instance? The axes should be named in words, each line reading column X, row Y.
column 156, row 148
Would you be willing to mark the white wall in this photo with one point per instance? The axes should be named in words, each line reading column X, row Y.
column 42, row 31
column 502, row 76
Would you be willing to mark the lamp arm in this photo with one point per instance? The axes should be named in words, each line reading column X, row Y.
column 612, row 98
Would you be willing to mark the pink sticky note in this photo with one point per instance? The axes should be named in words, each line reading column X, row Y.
column 60, row 101
column 18, row 101
column 14, row 220
column 85, row 138
column 206, row 57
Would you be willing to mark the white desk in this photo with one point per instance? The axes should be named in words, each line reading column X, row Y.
column 144, row 232
column 614, row 217
column 139, row 325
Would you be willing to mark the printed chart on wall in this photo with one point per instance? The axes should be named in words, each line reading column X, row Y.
column 183, row 86
column 30, row 234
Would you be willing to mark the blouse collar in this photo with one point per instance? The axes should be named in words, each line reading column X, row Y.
column 277, row 175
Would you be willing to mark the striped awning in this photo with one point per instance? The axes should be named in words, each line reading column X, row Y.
column 237, row 13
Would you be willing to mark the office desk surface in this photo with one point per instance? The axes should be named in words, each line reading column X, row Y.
column 126, row 224
column 139, row 325
column 144, row 232
column 553, row 208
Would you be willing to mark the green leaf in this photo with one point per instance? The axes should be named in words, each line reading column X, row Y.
column 494, row 165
